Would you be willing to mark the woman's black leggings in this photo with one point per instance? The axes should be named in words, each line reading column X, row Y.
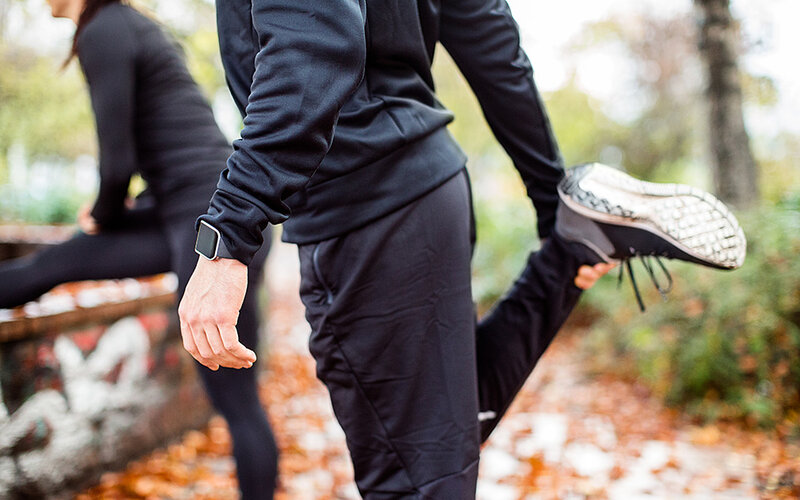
column 143, row 246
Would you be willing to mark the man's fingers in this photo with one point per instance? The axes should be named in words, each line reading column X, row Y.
column 230, row 339
column 583, row 283
column 588, row 275
column 199, row 334
column 222, row 354
column 604, row 267
column 218, row 356
column 204, row 353
column 188, row 341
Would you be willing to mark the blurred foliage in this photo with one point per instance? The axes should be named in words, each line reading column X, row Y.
column 725, row 345
column 53, row 206
column 780, row 170
column 506, row 235
column 759, row 89
column 44, row 110
column 659, row 104
column 584, row 131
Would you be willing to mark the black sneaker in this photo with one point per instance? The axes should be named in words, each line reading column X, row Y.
column 619, row 217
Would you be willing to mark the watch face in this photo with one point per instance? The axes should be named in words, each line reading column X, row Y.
column 207, row 240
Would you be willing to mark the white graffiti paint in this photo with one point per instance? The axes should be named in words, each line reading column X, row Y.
column 3, row 409
column 90, row 413
column 87, row 392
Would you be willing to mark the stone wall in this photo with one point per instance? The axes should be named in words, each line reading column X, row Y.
column 17, row 240
column 86, row 390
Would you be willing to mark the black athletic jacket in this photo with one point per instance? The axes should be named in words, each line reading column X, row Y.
column 300, row 70
column 151, row 117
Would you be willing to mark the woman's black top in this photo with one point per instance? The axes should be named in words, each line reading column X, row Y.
column 151, row 117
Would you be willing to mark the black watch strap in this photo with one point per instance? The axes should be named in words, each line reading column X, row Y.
column 222, row 250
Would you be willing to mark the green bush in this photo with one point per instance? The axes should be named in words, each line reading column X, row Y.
column 725, row 345
column 506, row 235
column 52, row 207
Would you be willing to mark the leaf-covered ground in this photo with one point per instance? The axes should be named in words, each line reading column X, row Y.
column 566, row 436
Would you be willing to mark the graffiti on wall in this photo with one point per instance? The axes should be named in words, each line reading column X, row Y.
column 74, row 403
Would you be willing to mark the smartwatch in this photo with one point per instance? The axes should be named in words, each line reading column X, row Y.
column 209, row 243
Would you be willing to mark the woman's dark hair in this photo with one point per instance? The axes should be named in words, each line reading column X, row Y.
column 89, row 11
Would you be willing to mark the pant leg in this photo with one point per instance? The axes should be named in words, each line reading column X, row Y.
column 129, row 251
column 234, row 393
column 391, row 311
column 514, row 335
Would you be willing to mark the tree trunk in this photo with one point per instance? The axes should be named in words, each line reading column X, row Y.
column 735, row 171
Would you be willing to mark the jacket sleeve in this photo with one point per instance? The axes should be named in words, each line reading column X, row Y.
column 311, row 59
column 107, row 53
column 483, row 39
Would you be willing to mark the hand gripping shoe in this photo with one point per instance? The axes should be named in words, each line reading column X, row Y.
column 619, row 217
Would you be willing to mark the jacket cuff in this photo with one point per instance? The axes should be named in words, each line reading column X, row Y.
column 239, row 229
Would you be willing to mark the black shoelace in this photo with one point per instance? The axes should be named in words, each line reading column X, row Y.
column 648, row 265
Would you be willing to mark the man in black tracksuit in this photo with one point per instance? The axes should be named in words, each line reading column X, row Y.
column 345, row 144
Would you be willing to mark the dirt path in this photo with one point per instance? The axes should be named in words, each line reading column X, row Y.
column 566, row 437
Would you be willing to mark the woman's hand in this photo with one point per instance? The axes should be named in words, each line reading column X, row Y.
column 86, row 222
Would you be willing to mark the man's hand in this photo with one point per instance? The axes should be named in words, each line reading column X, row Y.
column 588, row 275
column 86, row 222
column 209, row 312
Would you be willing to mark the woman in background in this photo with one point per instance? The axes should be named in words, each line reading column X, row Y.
column 153, row 121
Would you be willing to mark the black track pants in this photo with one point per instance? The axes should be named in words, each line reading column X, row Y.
column 140, row 247
column 394, row 337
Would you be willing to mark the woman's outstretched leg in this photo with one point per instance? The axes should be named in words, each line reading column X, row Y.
column 122, row 253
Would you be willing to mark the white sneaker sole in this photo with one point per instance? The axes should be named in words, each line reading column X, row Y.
column 690, row 218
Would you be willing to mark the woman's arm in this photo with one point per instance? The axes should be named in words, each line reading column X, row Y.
column 107, row 53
